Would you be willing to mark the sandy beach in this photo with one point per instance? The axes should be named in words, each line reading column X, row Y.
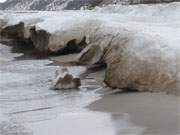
column 156, row 113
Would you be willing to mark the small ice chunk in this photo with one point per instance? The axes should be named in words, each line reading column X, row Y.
column 65, row 80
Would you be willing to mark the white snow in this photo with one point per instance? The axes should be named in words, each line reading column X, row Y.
column 154, row 29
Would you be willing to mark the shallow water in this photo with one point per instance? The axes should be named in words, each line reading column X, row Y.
column 29, row 107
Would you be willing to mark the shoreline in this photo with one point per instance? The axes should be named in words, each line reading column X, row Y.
column 123, row 112
column 120, row 47
column 151, row 113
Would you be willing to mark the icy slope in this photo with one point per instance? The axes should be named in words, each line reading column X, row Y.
column 68, row 4
column 47, row 4
column 139, row 44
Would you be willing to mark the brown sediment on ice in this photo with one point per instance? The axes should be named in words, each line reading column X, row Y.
column 131, row 68
column 14, row 31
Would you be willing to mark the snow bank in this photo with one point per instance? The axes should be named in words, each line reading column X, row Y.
column 70, row 26
column 139, row 44
column 141, row 52
column 51, row 31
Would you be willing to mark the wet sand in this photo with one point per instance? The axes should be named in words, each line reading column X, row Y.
column 156, row 113
column 148, row 113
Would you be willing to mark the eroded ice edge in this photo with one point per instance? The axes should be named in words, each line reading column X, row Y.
column 142, row 41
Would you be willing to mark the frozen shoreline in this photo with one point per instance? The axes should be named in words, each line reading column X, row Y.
column 144, row 113
column 31, row 113
column 139, row 49
column 29, row 107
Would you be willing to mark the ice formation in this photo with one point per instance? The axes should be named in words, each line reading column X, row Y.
column 139, row 43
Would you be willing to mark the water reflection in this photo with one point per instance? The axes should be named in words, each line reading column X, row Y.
column 86, row 123
column 123, row 125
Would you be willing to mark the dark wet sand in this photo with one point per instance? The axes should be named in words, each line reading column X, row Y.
column 158, row 113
